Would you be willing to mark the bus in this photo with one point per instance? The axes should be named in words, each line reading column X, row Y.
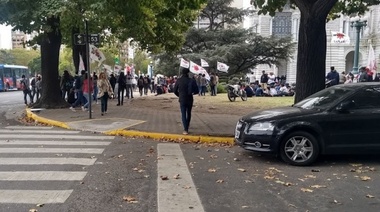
column 10, row 76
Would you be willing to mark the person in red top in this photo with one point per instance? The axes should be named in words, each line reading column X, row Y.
column 87, row 91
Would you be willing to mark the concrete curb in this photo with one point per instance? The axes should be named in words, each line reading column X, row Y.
column 175, row 137
column 132, row 133
column 46, row 121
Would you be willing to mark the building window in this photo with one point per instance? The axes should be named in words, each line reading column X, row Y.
column 282, row 24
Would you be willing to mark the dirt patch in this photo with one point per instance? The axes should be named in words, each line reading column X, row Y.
column 213, row 104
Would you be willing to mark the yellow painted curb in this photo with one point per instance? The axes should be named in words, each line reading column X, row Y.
column 49, row 122
column 192, row 138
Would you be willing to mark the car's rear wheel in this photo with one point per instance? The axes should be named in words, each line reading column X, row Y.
column 299, row 148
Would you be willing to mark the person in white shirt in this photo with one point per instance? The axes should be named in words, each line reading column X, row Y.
column 271, row 78
column 284, row 90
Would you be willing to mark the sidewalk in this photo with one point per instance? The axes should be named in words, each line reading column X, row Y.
column 129, row 120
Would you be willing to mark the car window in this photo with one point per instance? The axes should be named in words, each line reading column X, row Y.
column 325, row 98
column 367, row 99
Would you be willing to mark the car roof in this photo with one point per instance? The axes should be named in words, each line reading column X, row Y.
column 359, row 85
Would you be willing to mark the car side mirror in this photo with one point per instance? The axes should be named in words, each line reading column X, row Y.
column 345, row 106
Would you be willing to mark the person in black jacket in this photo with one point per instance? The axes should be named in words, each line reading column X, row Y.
column 185, row 88
column 122, row 86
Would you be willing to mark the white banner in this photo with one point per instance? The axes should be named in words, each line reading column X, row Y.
column 204, row 63
column 96, row 55
column 222, row 67
column 372, row 63
column 197, row 69
column 81, row 64
column 184, row 63
column 339, row 37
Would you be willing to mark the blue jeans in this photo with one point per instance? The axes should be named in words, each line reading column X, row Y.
column 95, row 94
column 186, row 115
column 79, row 99
column 104, row 102
column 87, row 96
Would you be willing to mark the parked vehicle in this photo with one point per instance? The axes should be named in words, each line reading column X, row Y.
column 234, row 91
column 342, row 119
column 10, row 76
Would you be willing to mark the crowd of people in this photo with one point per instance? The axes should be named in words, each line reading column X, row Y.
column 32, row 88
column 364, row 75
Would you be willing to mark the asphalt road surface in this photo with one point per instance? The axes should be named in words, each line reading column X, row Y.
column 52, row 169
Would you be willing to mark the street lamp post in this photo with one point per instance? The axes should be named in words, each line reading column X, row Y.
column 358, row 26
column 151, row 69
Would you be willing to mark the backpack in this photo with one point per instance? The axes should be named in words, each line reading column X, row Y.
column 23, row 85
column 68, row 85
column 141, row 82
column 145, row 80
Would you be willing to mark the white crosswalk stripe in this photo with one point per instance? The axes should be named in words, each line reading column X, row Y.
column 38, row 147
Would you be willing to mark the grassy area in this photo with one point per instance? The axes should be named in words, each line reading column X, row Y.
column 253, row 103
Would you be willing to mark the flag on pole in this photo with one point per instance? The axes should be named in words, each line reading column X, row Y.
column 197, row 69
column 339, row 37
column 204, row 63
column 81, row 64
column 184, row 63
column 372, row 63
column 96, row 55
column 117, row 69
column 222, row 67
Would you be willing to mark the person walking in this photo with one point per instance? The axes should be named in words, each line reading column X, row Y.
column 88, row 87
column 25, row 89
column 66, row 84
column 185, row 88
column 38, row 87
column 105, row 91
column 95, row 85
column 129, row 85
column 113, row 83
column 78, row 90
column 120, row 91
column 140, row 85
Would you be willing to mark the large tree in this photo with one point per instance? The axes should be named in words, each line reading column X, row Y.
column 224, row 40
column 311, row 59
column 153, row 23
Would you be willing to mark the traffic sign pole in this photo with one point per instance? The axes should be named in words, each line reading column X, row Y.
column 88, row 69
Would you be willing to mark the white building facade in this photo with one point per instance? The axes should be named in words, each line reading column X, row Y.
column 338, row 54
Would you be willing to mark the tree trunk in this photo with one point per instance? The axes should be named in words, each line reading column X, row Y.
column 311, row 59
column 50, row 46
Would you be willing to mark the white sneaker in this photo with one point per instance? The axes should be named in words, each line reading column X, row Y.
column 72, row 109
column 84, row 109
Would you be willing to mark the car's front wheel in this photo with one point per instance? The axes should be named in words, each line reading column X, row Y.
column 299, row 148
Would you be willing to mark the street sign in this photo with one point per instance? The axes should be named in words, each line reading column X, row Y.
column 79, row 39
column 94, row 39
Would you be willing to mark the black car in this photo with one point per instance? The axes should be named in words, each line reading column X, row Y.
column 342, row 119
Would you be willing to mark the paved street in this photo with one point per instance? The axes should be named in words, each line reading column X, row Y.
column 71, row 170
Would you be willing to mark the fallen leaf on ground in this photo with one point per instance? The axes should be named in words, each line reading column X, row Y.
column 306, row 190
column 356, row 164
column 372, row 169
column 176, row 176
column 291, row 205
column 130, row 199
column 211, row 170
column 269, row 177
column 220, row 181
column 40, row 205
column 318, row 186
column 248, row 181
column 242, row 170
column 33, row 210
column 310, row 176
column 369, row 196
column 365, row 178
column 164, row 178
column 135, row 169
column 244, row 206
column 187, row 187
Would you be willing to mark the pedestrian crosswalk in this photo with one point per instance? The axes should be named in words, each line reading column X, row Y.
column 25, row 150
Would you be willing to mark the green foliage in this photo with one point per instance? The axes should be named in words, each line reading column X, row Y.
column 221, row 88
column 141, row 61
column 35, row 66
column 18, row 56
